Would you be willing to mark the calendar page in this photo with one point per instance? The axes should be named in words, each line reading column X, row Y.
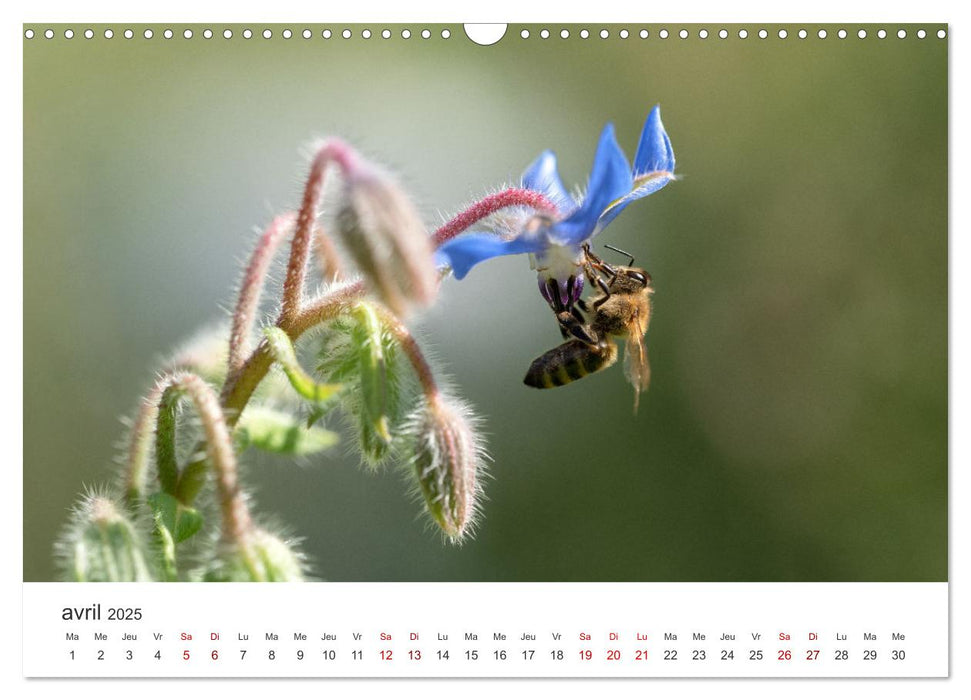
column 544, row 350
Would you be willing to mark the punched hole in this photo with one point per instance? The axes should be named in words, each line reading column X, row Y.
column 484, row 34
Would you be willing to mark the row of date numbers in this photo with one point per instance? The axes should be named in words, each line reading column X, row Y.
column 530, row 654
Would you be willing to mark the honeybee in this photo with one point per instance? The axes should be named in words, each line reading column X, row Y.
column 622, row 309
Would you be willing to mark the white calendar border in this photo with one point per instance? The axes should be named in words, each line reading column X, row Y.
column 504, row 10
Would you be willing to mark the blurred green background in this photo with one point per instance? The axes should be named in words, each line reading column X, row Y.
column 796, row 426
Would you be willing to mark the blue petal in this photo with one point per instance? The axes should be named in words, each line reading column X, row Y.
column 653, row 167
column 610, row 179
column 643, row 186
column 654, row 152
column 541, row 176
column 466, row 251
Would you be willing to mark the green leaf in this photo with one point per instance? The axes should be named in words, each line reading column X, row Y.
column 166, row 552
column 337, row 356
column 179, row 522
column 282, row 433
column 283, row 352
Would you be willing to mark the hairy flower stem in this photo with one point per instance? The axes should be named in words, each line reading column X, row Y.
column 158, row 413
column 346, row 158
column 512, row 197
column 252, row 287
column 297, row 317
column 239, row 388
column 237, row 393
column 140, row 445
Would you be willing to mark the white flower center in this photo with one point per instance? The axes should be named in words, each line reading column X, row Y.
column 556, row 262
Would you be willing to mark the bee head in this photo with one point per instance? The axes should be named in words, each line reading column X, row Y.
column 632, row 279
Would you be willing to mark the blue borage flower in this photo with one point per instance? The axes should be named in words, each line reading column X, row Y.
column 555, row 244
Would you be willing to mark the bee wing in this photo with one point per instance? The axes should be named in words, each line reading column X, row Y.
column 636, row 366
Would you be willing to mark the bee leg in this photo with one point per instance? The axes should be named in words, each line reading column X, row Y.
column 595, row 262
column 592, row 268
column 569, row 324
column 582, row 304
column 597, row 303
column 593, row 276
column 570, row 318
column 592, row 265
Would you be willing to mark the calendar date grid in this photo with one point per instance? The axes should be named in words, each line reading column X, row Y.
column 364, row 630
column 409, row 648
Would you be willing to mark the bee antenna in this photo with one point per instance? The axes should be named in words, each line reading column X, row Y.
column 622, row 252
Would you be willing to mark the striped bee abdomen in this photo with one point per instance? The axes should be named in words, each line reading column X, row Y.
column 568, row 362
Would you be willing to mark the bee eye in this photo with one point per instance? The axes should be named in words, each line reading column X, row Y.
column 638, row 277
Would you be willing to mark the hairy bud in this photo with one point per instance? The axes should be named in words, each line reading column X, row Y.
column 377, row 391
column 263, row 556
column 102, row 544
column 385, row 236
column 364, row 355
column 447, row 461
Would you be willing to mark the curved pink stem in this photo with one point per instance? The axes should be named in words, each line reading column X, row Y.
column 346, row 158
column 512, row 197
column 219, row 448
column 249, row 293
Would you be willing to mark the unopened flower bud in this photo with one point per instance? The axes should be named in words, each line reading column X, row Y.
column 102, row 544
column 384, row 235
column 447, row 461
column 261, row 556
column 377, row 390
